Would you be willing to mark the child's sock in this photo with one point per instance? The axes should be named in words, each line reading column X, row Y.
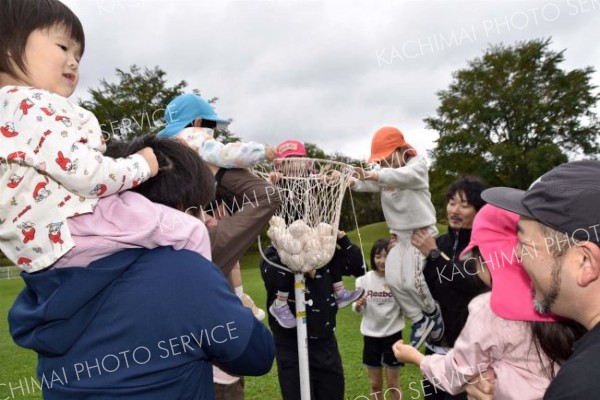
column 338, row 287
column 281, row 299
column 239, row 290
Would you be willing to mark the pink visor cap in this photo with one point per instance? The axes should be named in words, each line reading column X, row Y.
column 495, row 234
column 291, row 148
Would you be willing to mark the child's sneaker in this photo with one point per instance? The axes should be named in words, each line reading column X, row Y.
column 223, row 378
column 248, row 302
column 420, row 331
column 438, row 328
column 283, row 315
column 345, row 297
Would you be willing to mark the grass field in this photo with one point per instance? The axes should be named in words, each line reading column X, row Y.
column 18, row 365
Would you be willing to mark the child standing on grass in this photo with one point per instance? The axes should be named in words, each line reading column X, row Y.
column 381, row 325
column 52, row 166
column 403, row 180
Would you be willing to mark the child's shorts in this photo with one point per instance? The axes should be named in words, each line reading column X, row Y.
column 377, row 351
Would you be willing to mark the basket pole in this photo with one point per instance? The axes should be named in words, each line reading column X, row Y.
column 301, row 331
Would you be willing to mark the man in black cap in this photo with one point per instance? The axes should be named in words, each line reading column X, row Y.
column 559, row 238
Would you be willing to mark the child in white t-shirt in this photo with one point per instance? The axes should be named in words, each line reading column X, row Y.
column 381, row 324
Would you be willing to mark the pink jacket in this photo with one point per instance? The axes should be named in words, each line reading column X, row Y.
column 129, row 220
column 490, row 341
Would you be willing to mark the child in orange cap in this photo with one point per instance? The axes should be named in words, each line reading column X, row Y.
column 403, row 180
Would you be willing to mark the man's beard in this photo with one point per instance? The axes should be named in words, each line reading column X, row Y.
column 544, row 305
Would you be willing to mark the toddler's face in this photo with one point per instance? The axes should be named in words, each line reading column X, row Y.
column 380, row 260
column 52, row 61
column 293, row 166
column 394, row 160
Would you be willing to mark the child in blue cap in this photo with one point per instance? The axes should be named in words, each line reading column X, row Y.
column 192, row 119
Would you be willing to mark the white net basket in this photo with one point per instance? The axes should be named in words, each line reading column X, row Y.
column 304, row 229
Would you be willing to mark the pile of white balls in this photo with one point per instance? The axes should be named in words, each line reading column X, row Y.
column 302, row 248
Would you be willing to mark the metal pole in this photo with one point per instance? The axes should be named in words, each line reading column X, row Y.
column 299, row 289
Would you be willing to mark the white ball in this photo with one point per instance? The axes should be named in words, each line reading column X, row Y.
column 308, row 267
column 272, row 232
column 296, row 262
column 324, row 229
column 311, row 260
column 298, row 228
column 293, row 246
column 277, row 221
column 284, row 256
column 324, row 257
column 328, row 241
column 312, row 244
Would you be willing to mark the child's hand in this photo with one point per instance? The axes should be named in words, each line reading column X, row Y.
column 406, row 353
column 366, row 175
column 150, row 158
column 332, row 176
column 359, row 304
column 270, row 153
column 360, row 173
column 275, row 177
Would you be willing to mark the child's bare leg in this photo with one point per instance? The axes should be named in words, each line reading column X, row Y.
column 235, row 279
column 393, row 384
column 376, row 382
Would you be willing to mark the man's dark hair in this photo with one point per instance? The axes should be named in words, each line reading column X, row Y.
column 381, row 244
column 184, row 180
column 18, row 18
column 471, row 186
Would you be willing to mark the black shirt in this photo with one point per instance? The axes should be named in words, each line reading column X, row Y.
column 579, row 377
column 320, row 316
column 451, row 284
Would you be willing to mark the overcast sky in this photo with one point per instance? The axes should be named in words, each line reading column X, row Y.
column 326, row 71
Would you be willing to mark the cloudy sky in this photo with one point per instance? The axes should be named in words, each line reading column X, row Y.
column 325, row 71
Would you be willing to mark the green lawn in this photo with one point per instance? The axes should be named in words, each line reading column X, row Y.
column 18, row 365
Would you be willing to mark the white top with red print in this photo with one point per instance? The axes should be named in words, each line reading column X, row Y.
column 381, row 313
column 52, row 167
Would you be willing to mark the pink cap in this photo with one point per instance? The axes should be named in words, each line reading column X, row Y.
column 495, row 234
column 291, row 148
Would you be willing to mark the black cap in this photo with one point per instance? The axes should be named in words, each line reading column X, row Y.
column 567, row 198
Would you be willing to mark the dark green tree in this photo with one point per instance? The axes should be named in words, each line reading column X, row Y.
column 135, row 104
column 512, row 115
column 314, row 151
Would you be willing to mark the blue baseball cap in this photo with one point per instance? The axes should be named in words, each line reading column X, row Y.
column 183, row 110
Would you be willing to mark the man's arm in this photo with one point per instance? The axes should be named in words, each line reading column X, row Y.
column 349, row 257
column 258, row 200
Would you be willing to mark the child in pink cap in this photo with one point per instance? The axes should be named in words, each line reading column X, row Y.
column 280, row 308
column 498, row 333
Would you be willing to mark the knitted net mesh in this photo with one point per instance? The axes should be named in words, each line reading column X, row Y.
column 304, row 228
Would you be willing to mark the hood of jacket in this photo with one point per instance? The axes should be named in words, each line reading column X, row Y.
column 57, row 305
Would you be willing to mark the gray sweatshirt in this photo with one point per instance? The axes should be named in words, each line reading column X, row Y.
column 405, row 197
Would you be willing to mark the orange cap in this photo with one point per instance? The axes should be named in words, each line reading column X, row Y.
column 385, row 141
